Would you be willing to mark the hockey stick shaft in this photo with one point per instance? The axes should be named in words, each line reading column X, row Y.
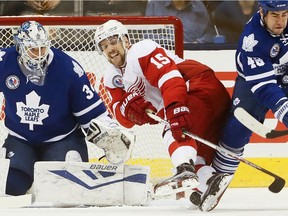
column 255, row 126
column 276, row 186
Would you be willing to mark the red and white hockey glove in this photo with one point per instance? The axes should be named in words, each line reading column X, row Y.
column 133, row 107
column 178, row 116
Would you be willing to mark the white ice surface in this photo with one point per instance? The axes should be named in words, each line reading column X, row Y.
column 240, row 201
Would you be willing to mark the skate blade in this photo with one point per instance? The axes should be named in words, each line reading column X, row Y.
column 212, row 201
column 174, row 187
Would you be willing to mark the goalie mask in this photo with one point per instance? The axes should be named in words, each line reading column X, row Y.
column 113, row 32
column 33, row 44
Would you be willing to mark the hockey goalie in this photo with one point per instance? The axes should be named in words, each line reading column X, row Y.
column 48, row 101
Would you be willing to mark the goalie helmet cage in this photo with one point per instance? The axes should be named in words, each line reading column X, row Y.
column 74, row 35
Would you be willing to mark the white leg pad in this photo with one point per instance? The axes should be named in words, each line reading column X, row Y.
column 4, row 167
column 2, row 153
column 15, row 201
column 80, row 183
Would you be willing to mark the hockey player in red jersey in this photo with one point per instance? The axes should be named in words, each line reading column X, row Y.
column 186, row 93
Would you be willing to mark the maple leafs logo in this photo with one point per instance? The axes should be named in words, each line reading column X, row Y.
column 32, row 113
column 249, row 43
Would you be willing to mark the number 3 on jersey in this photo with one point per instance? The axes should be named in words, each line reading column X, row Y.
column 159, row 60
column 88, row 91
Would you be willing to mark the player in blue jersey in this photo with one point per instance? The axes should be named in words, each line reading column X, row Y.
column 48, row 99
column 261, row 85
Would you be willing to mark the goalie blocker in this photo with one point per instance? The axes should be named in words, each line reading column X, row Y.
column 114, row 140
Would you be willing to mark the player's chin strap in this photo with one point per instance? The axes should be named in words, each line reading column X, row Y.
column 116, row 141
column 276, row 186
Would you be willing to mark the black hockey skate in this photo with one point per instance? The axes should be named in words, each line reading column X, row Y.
column 195, row 198
column 217, row 184
column 183, row 180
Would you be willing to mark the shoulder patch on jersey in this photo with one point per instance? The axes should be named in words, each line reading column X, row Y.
column 77, row 69
column 12, row 82
column 249, row 43
column 118, row 81
column 274, row 51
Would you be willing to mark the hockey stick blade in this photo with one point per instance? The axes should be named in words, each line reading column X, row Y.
column 255, row 126
column 276, row 186
column 276, row 134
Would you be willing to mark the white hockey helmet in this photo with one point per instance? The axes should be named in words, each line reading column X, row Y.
column 108, row 29
column 33, row 44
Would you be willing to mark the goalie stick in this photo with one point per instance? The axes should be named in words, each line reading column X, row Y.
column 276, row 186
column 255, row 126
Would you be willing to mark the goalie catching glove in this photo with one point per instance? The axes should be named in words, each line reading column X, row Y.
column 115, row 141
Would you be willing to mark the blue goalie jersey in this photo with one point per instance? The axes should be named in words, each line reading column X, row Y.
column 262, row 60
column 48, row 113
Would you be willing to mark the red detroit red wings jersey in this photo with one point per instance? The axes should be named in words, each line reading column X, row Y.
column 153, row 72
